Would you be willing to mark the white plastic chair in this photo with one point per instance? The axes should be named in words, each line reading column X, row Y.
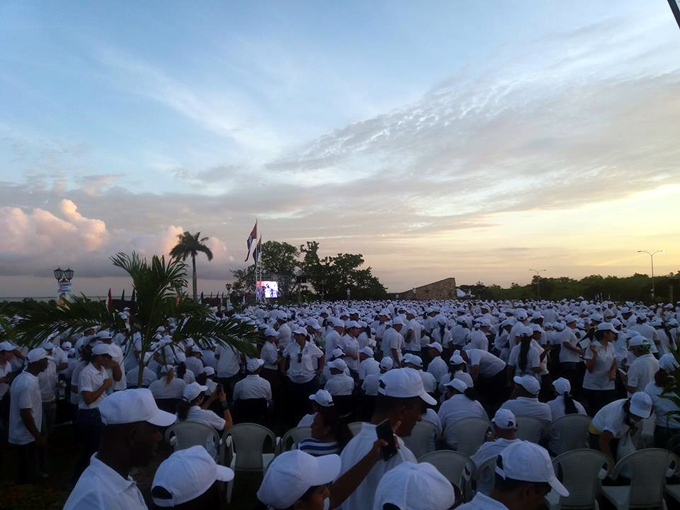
column 485, row 476
column 530, row 429
column 421, row 439
column 456, row 467
column 185, row 434
column 292, row 437
column 649, row 469
column 471, row 433
column 582, row 472
column 570, row 432
column 355, row 427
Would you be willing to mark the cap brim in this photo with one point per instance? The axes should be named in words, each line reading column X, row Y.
column 224, row 474
column 558, row 487
column 162, row 419
column 327, row 470
column 639, row 412
column 427, row 398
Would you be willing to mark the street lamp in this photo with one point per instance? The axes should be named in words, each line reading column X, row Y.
column 59, row 273
column 68, row 274
column 651, row 256
column 538, row 280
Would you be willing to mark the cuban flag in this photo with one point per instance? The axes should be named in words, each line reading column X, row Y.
column 258, row 250
column 251, row 240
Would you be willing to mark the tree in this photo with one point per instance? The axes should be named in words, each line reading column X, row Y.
column 191, row 245
column 157, row 285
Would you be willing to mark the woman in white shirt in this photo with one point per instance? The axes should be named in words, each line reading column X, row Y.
column 600, row 378
column 305, row 362
column 525, row 358
column 667, row 412
column 461, row 403
column 194, row 407
column 562, row 405
column 167, row 388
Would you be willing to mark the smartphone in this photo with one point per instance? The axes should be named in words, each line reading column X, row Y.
column 384, row 432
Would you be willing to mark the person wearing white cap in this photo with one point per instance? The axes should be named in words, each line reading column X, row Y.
column 319, row 399
column 524, row 477
column 371, row 383
column 393, row 341
column 413, row 334
column 115, row 370
column 525, row 400
column 525, row 358
column 130, row 434
column 437, row 366
column 488, row 373
column 253, row 386
column 504, row 434
column 400, row 399
column 228, row 367
column 332, row 338
column 168, row 389
column 478, row 338
column 367, row 363
column 414, row 362
column 413, row 486
column 189, row 479
column 617, row 419
column 350, row 347
column 570, row 352
column 6, row 352
column 47, row 379
column 338, row 383
column 641, row 371
column 25, row 416
column 194, row 407
column 461, row 403
column 305, row 363
column 599, row 381
column 194, row 360
column 148, row 375
column 329, row 433
column 667, row 412
column 284, row 334
column 562, row 405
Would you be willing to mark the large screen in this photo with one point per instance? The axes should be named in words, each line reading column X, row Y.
column 269, row 290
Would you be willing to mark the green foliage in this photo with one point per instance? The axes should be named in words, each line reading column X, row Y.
column 190, row 245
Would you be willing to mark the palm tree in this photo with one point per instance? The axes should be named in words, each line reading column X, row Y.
column 156, row 284
column 189, row 245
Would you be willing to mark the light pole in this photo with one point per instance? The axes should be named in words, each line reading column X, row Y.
column 538, row 280
column 651, row 256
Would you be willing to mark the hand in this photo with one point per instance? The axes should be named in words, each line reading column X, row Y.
column 107, row 383
column 612, row 376
column 222, row 396
column 41, row 442
column 593, row 348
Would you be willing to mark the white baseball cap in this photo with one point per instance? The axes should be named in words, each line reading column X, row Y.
column 457, row 384
column 105, row 334
column 436, row 345
column 465, row 377
column 456, row 359
column 254, row 364
column 529, row 383
column 6, row 346
column 404, row 383
column 100, row 349
column 505, row 419
column 187, row 474
column 386, row 363
column 668, row 363
column 270, row 332
column 323, row 398
column 529, row 462
column 412, row 486
column 208, row 371
column 638, row 341
column 293, row 473
column 300, row 331
column 338, row 364
column 193, row 390
column 641, row 405
column 562, row 386
column 606, row 326
column 36, row 354
column 412, row 359
column 131, row 406
column 367, row 351
column 397, row 322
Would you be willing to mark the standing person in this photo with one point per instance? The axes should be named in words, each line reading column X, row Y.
column 302, row 373
column 393, row 341
column 228, row 367
column 599, row 381
column 25, row 416
column 666, row 410
column 368, row 364
column 92, row 385
column 47, row 379
column 6, row 353
column 641, row 371
column 488, row 373
column 570, row 353
column 130, row 435
column 399, row 400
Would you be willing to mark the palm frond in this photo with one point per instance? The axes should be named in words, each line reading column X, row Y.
column 243, row 337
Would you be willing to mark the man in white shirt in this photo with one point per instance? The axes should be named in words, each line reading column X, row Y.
column 570, row 353
column 414, row 362
column 393, row 341
column 130, row 433
column 370, row 385
column 332, row 340
column 283, row 330
column 228, row 367
column 338, row 383
column 400, row 399
column 253, row 386
column 505, row 434
column 194, row 360
column 437, row 366
column 367, row 363
column 641, row 371
column 525, row 402
column 413, row 333
column 25, row 416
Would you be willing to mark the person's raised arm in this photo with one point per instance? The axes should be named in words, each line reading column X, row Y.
column 92, row 396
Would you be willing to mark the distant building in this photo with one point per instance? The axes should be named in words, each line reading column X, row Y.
column 443, row 289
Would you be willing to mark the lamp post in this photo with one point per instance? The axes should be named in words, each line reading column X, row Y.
column 651, row 257
column 538, row 280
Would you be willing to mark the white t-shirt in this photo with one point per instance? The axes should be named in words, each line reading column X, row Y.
column 350, row 345
column 148, row 377
column 270, row 355
column 367, row 367
column 24, row 394
column 489, row 365
column 662, row 406
column 302, row 369
column 117, row 356
column 161, row 389
column 454, row 409
column 528, row 406
column 229, row 362
column 478, row 340
column 371, row 384
column 642, row 371
column 414, row 342
column 253, row 386
column 91, row 380
column 611, row 418
column 206, row 417
column 362, row 498
column 491, row 449
column 429, row 381
column 48, row 382
column 598, row 379
column 567, row 355
column 339, row 385
column 392, row 339
column 438, row 368
column 533, row 361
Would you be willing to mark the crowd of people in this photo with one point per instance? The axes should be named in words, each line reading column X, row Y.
column 326, row 365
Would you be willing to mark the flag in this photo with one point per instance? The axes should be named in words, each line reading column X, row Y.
column 122, row 296
column 257, row 250
column 251, row 240
column 133, row 295
column 201, row 297
column 109, row 300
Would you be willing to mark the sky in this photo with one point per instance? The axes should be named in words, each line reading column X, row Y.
column 475, row 140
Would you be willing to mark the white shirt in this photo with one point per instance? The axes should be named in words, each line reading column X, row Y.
column 206, row 417
column 339, row 385
column 567, row 355
column 642, row 371
column 47, row 380
column 161, row 389
column 529, row 406
column 24, row 394
column 611, row 418
column 117, row 356
column 362, row 498
column 229, row 362
column 91, row 380
column 429, row 381
column 253, row 386
column 438, row 368
column 102, row 488
column 414, row 342
column 491, row 449
column 5, row 370
column 303, row 370
column 371, row 384
column 349, row 346
column 306, row 420
column 367, row 367
column 148, row 377
column 284, row 336
column 489, row 365
column 194, row 364
column 478, row 340
column 662, row 406
column 270, row 355
column 533, row 361
column 483, row 502
column 454, row 409
column 392, row 339
column 331, row 340
column 598, row 379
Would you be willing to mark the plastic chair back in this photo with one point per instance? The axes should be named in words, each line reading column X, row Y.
column 485, row 476
column 422, row 438
column 471, row 433
column 294, row 436
column 249, row 440
column 649, row 469
column 456, row 467
column 355, row 427
column 530, row 429
column 570, row 432
column 190, row 433
column 251, row 410
column 582, row 471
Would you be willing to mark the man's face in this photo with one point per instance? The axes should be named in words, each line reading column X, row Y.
column 410, row 415
column 43, row 363
column 532, row 495
column 144, row 439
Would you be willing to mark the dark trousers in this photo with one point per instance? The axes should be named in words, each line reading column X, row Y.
column 492, row 391
column 27, row 462
column 299, row 394
column 88, row 427
column 228, row 384
column 570, row 371
column 595, row 400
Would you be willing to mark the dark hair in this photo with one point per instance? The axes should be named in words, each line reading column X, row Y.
column 183, row 407
column 442, row 330
column 662, row 378
column 470, row 393
column 627, row 413
column 525, row 344
column 569, row 406
column 181, row 369
column 385, row 404
column 599, row 334
column 339, row 428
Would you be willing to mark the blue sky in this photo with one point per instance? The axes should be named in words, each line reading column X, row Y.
column 379, row 127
